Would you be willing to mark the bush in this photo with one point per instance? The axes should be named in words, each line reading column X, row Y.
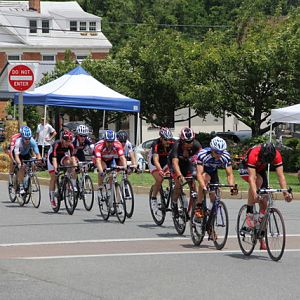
column 292, row 143
column 291, row 160
column 203, row 138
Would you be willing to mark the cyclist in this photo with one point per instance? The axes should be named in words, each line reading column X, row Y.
column 122, row 137
column 22, row 151
column 108, row 153
column 82, row 142
column 158, row 161
column 181, row 162
column 209, row 160
column 253, row 170
column 61, row 153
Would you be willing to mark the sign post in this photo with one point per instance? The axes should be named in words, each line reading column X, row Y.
column 20, row 78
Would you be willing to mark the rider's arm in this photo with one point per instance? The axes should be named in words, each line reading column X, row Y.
column 123, row 161
column 156, row 163
column 132, row 158
column 175, row 163
column 229, row 174
column 99, row 165
column 18, row 160
column 35, row 148
column 54, row 163
column 282, row 183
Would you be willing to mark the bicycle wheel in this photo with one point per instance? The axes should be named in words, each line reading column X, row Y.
column 103, row 202
column 220, row 226
column 27, row 196
column 128, row 196
column 35, row 191
column 275, row 234
column 246, row 236
column 58, row 194
column 69, row 195
column 158, row 211
column 197, row 228
column 12, row 188
column 119, row 203
column 180, row 220
column 87, row 190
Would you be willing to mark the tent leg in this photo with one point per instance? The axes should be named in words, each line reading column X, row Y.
column 103, row 122
column 45, row 114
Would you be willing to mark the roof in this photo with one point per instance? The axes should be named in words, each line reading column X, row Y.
column 14, row 16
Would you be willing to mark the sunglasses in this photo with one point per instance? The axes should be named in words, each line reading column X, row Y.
column 188, row 142
column 219, row 152
column 82, row 135
column 27, row 139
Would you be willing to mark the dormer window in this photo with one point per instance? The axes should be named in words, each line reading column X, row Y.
column 73, row 25
column 92, row 26
column 45, row 26
column 33, row 26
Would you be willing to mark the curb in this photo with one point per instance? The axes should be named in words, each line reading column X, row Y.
column 145, row 190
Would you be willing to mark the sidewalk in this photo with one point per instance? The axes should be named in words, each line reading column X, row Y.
column 145, row 190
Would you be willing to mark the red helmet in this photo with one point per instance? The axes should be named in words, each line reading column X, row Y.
column 187, row 134
column 67, row 135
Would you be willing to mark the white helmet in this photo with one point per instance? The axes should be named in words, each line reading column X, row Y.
column 218, row 144
column 82, row 130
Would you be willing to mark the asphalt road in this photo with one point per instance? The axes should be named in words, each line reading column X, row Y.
column 56, row 256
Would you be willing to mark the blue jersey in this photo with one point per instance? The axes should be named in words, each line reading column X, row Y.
column 24, row 149
column 210, row 163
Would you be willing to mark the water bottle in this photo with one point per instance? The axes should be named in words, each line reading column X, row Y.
column 25, row 181
column 256, row 220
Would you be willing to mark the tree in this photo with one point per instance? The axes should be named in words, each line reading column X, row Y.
column 246, row 78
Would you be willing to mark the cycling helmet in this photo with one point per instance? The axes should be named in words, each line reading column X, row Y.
column 122, row 136
column 267, row 153
column 82, row 130
column 25, row 132
column 109, row 136
column 165, row 133
column 67, row 135
column 218, row 144
column 187, row 134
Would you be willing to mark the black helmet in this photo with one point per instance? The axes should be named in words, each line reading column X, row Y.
column 122, row 136
column 267, row 153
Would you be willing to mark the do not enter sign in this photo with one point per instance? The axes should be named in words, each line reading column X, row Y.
column 21, row 78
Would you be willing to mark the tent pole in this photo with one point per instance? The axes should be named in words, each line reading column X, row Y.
column 270, row 139
column 137, row 130
column 103, row 122
column 43, row 146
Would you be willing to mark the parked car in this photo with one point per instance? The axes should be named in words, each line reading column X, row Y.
column 235, row 136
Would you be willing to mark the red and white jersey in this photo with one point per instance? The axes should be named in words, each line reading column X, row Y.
column 13, row 141
column 106, row 154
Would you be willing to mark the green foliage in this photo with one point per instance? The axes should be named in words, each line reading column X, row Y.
column 292, row 143
column 291, row 160
column 204, row 139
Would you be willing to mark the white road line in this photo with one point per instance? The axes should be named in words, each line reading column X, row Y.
column 112, row 241
column 143, row 254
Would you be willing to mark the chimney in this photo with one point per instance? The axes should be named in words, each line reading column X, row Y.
column 35, row 5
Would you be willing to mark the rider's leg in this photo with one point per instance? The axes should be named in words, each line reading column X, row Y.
column 158, row 181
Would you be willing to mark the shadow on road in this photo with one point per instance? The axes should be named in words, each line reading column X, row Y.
column 244, row 257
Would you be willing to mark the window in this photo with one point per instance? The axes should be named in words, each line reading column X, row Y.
column 82, row 26
column 81, row 56
column 13, row 57
column 33, row 26
column 73, row 25
column 45, row 26
column 48, row 58
column 92, row 26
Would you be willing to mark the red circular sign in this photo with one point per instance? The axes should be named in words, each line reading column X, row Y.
column 21, row 78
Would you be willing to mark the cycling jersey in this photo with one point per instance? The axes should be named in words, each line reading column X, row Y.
column 108, row 154
column 210, row 163
column 13, row 143
column 252, row 159
column 79, row 147
column 23, row 149
column 127, row 148
column 162, row 151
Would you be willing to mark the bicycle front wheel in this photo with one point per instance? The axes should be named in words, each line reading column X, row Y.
column 119, row 203
column 129, row 197
column 70, row 197
column 12, row 188
column 220, row 226
column 158, row 208
column 87, row 192
column 179, row 219
column 246, row 236
column 197, row 227
column 275, row 234
column 103, row 202
column 35, row 191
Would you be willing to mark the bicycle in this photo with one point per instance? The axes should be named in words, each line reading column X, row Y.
column 85, row 188
column 65, row 190
column 110, row 197
column 271, row 227
column 215, row 221
column 159, row 211
column 127, row 192
column 30, row 183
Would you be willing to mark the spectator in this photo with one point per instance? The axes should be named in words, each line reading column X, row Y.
column 45, row 134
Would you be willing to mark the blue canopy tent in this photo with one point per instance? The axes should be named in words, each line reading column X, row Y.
column 78, row 89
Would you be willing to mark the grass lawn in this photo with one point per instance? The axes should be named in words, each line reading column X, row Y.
column 145, row 179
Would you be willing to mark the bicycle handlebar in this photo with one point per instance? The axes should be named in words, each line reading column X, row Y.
column 223, row 185
column 269, row 190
